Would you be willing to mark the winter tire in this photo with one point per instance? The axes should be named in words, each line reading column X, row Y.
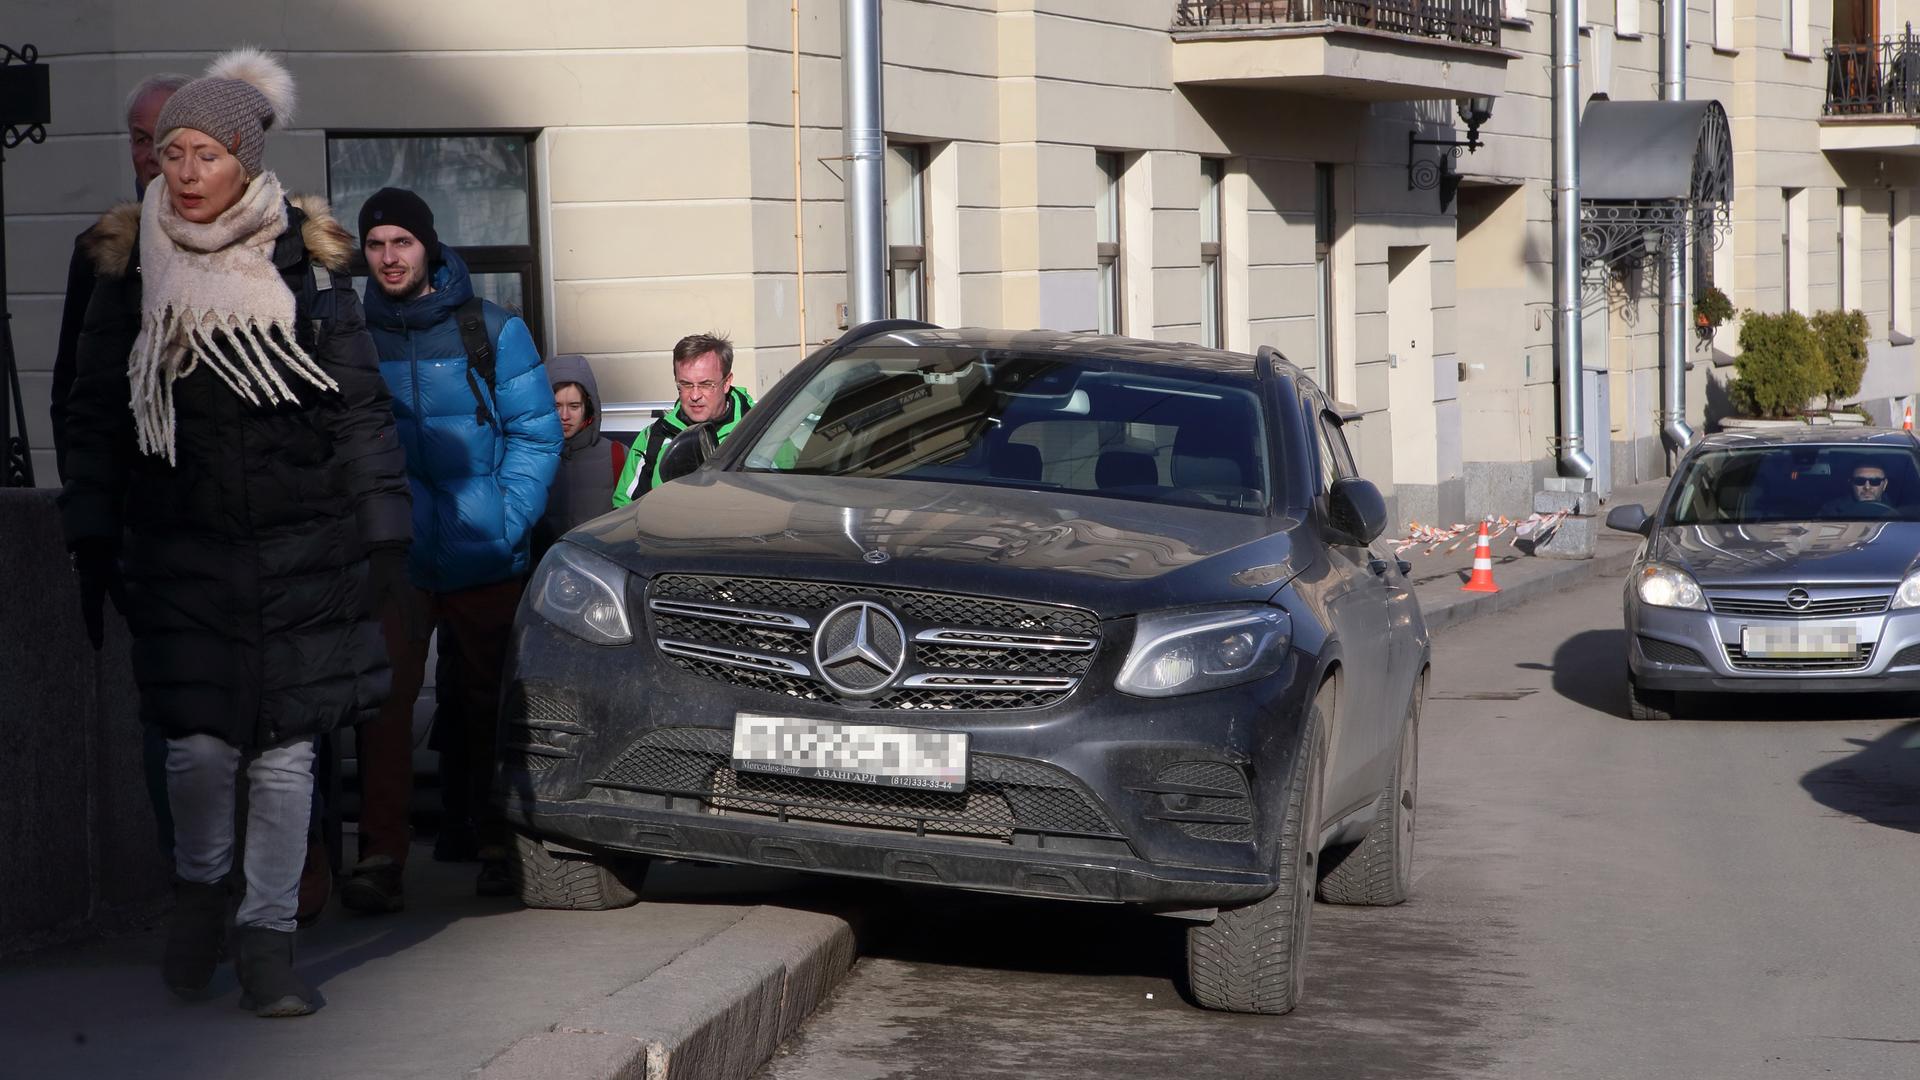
column 1643, row 704
column 572, row 883
column 1253, row 959
column 1378, row 871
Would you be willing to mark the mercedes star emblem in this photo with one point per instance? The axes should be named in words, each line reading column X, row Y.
column 876, row 556
column 1798, row 599
column 860, row 648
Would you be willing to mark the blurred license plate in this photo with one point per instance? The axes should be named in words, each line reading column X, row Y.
column 857, row 753
column 1840, row 642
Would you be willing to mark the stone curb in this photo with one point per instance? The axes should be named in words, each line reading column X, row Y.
column 716, row 1012
column 1463, row 607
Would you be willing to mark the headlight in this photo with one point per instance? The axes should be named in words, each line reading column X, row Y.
column 1668, row 586
column 1185, row 652
column 1909, row 592
column 580, row 592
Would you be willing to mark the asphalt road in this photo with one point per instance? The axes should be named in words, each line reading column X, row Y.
column 1731, row 897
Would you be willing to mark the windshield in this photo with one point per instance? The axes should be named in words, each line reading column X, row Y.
column 1857, row 482
column 1080, row 425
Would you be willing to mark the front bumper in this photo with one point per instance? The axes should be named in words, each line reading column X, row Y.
column 618, row 728
column 1672, row 649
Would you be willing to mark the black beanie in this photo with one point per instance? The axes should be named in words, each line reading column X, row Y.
column 398, row 206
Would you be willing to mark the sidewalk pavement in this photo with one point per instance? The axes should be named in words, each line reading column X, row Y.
column 1437, row 577
column 703, row 978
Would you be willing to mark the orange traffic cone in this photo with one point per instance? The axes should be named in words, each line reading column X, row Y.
column 1482, row 578
column 1908, row 423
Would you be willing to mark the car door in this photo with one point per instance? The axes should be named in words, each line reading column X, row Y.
column 1361, row 590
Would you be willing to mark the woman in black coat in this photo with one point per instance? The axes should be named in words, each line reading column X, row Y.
column 235, row 482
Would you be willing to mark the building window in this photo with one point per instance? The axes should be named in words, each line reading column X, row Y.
column 1514, row 9
column 907, row 230
column 1106, row 214
column 1626, row 18
column 1793, row 249
column 480, row 187
column 1213, row 173
column 1798, row 30
column 1723, row 24
column 1323, row 276
column 1899, row 265
column 1847, row 238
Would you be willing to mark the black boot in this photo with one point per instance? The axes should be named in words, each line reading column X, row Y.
column 268, row 986
column 195, row 932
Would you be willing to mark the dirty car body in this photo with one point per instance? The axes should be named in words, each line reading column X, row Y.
column 1005, row 541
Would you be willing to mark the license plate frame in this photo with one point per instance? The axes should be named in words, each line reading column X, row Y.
column 878, row 755
column 1799, row 642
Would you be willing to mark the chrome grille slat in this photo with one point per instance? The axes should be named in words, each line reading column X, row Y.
column 964, row 653
column 1778, row 608
column 1862, row 657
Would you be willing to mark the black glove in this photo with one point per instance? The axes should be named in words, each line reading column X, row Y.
column 96, row 563
column 389, row 589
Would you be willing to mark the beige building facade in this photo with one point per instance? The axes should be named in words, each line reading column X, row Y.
column 629, row 171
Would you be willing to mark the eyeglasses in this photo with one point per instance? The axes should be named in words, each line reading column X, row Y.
column 706, row 387
column 1869, row 481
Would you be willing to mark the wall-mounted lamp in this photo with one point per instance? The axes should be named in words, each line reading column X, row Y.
column 1430, row 173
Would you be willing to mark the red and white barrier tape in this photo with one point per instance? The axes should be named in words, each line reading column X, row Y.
column 1454, row 537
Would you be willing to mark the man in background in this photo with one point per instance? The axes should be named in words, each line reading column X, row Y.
column 703, row 377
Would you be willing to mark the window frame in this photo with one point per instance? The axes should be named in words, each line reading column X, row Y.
column 522, row 260
column 1112, row 312
column 1325, row 233
column 910, row 259
column 1213, row 302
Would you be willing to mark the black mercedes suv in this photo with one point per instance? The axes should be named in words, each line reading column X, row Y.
column 1040, row 613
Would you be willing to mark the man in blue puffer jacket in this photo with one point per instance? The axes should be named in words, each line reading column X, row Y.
column 480, row 456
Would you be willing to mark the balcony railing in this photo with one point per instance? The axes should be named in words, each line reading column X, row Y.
column 1875, row 78
column 1468, row 22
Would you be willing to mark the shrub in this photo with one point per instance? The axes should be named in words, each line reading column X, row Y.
column 1843, row 337
column 1781, row 365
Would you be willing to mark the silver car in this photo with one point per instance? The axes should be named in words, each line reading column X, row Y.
column 1777, row 563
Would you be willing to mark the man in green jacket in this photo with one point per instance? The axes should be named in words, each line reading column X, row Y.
column 703, row 373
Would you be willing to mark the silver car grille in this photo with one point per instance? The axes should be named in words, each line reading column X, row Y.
column 1777, row 607
column 960, row 653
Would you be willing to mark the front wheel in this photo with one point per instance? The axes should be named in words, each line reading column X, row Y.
column 1378, row 871
column 1644, row 704
column 573, row 883
column 1253, row 959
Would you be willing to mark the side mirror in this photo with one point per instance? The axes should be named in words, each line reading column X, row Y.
column 1630, row 517
column 1356, row 512
column 688, row 451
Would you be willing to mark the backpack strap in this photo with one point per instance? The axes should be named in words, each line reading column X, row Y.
column 472, row 317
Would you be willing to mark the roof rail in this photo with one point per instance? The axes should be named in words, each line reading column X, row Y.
column 865, row 330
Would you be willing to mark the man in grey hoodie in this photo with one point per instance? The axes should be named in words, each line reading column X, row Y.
column 583, row 487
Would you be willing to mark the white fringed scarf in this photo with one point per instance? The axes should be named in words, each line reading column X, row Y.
column 212, row 295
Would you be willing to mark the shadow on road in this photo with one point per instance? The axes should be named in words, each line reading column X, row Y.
column 1879, row 784
column 925, row 926
column 1590, row 669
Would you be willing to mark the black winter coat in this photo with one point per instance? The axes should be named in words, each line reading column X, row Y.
column 246, row 563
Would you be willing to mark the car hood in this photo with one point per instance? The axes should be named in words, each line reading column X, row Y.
column 1109, row 555
column 1792, row 553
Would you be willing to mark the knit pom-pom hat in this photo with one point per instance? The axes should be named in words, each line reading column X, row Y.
column 243, row 93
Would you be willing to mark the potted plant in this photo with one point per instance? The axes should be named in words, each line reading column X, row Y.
column 1781, row 367
column 1710, row 309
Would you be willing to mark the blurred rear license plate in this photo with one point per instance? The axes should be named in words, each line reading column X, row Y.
column 1840, row 642
column 855, row 753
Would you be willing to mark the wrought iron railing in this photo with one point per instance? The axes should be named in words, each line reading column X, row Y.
column 1874, row 78
column 1469, row 22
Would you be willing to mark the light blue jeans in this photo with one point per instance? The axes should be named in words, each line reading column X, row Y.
column 201, row 773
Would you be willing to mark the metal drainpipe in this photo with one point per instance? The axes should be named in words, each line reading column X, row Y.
column 1673, row 282
column 866, row 148
column 1573, row 459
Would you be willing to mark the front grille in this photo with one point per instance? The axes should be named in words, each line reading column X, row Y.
column 1003, row 795
column 1666, row 652
column 1862, row 654
column 539, row 730
column 960, row 653
column 1778, row 608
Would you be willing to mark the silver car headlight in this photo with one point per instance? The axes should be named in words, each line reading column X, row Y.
column 1660, row 585
column 1188, row 651
column 1908, row 595
column 582, row 593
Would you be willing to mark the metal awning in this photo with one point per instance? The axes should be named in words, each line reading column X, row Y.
column 1652, row 173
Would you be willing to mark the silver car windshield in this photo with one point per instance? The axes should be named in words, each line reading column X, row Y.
column 1797, row 482
column 1080, row 425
